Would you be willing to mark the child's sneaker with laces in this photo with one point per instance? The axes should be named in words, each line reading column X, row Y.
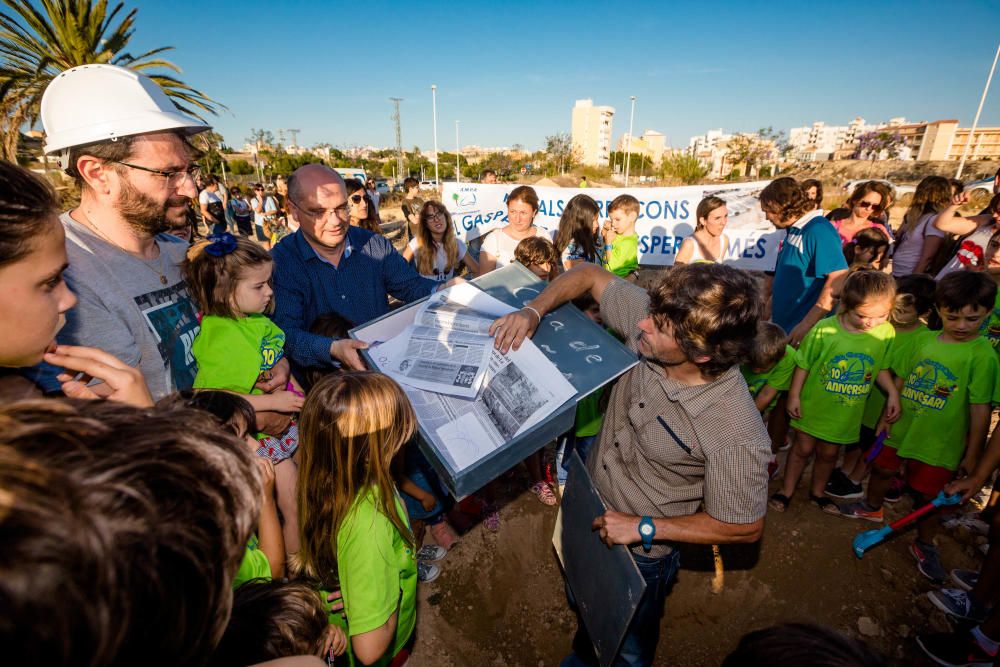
column 862, row 510
column 957, row 603
column 431, row 553
column 841, row 486
column 965, row 579
column 928, row 561
column 954, row 649
column 427, row 572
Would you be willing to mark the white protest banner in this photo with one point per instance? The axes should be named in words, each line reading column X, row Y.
column 666, row 217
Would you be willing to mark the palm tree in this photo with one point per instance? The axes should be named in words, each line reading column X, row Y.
column 37, row 43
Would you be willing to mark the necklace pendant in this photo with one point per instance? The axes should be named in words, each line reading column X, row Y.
column 163, row 280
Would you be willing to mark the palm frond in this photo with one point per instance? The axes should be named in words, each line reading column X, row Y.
column 41, row 38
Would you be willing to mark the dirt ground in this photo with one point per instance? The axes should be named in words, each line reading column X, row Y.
column 500, row 598
column 500, row 601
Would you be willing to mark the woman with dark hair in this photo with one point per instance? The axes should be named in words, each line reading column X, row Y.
column 708, row 243
column 576, row 239
column 814, row 191
column 363, row 213
column 866, row 201
column 919, row 238
column 498, row 248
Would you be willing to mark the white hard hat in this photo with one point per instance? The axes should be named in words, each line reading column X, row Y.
column 92, row 103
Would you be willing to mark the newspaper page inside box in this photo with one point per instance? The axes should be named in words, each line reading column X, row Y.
column 469, row 398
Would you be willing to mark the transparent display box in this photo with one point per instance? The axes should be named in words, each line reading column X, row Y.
column 587, row 356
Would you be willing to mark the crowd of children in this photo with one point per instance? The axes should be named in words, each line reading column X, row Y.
column 892, row 391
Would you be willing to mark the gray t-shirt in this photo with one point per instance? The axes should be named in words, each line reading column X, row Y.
column 125, row 309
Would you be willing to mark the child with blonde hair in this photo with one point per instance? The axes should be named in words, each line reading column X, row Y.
column 913, row 303
column 837, row 364
column 238, row 345
column 621, row 243
column 355, row 532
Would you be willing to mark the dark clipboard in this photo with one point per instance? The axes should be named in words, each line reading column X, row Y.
column 606, row 582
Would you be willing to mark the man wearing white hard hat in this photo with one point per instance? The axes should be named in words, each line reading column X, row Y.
column 119, row 135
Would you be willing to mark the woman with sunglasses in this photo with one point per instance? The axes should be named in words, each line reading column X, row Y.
column 865, row 205
column 363, row 212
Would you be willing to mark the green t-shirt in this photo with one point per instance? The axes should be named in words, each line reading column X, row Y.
column 254, row 564
column 588, row 415
column 842, row 367
column 232, row 353
column 990, row 329
column 623, row 257
column 779, row 377
column 876, row 399
column 377, row 570
column 942, row 381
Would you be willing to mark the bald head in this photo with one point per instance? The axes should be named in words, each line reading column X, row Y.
column 307, row 180
column 318, row 200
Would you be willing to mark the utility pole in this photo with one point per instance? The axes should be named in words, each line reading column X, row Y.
column 458, row 155
column 628, row 144
column 434, row 106
column 399, row 137
column 975, row 122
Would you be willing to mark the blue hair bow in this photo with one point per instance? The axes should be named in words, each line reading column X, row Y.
column 221, row 244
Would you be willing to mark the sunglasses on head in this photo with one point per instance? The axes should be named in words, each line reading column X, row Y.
column 357, row 199
column 876, row 208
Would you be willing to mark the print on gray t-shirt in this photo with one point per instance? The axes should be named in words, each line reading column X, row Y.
column 124, row 309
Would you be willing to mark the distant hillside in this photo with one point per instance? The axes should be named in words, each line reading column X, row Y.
column 897, row 171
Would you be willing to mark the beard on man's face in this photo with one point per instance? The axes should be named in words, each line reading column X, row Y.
column 147, row 216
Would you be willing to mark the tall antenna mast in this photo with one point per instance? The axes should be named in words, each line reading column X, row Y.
column 399, row 139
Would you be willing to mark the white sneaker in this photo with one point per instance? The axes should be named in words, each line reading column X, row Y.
column 427, row 572
column 431, row 553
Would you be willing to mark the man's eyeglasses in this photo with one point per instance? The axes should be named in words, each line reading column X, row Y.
column 876, row 208
column 343, row 211
column 174, row 178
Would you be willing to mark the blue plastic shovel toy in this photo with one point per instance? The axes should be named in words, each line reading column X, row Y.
column 876, row 447
column 869, row 538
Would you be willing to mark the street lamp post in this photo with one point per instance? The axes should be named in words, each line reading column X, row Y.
column 434, row 105
column 628, row 144
column 458, row 155
column 975, row 122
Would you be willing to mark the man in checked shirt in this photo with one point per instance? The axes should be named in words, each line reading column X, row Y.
column 682, row 455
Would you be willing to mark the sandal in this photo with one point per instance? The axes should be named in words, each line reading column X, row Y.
column 544, row 493
column 491, row 517
column 825, row 504
column 779, row 502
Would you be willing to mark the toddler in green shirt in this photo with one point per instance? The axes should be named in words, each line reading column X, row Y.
column 947, row 381
column 914, row 302
column 621, row 243
column 768, row 373
column 837, row 364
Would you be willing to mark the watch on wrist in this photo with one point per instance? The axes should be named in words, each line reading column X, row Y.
column 647, row 531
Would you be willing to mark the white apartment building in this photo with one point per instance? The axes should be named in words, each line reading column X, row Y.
column 591, row 132
column 820, row 141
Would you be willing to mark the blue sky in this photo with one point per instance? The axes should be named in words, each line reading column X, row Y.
column 510, row 71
